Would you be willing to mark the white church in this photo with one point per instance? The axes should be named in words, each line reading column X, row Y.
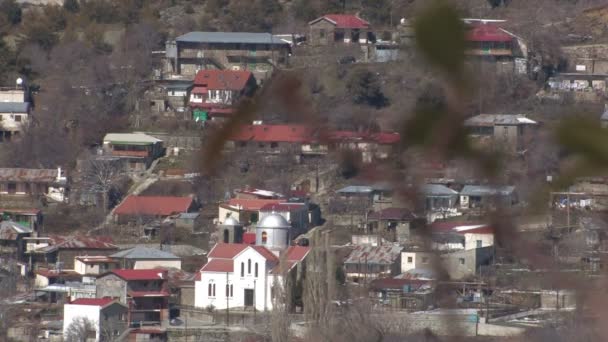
column 243, row 276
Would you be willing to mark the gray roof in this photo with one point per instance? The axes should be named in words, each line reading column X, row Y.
column 356, row 189
column 437, row 190
column 383, row 255
column 179, row 250
column 498, row 119
column 130, row 138
column 486, row 190
column 188, row 216
column 14, row 107
column 140, row 252
column 230, row 38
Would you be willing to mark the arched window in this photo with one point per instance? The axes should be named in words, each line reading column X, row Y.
column 242, row 269
column 213, row 290
column 264, row 238
column 249, row 266
column 209, row 290
column 226, row 236
column 256, row 270
column 231, row 291
column 227, row 290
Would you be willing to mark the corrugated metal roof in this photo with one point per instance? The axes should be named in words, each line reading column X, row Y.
column 14, row 107
column 9, row 230
column 140, row 252
column 437, row 190
column 231, row 38
column 28, row 175
column 135, row 138
column 356, row 189
column 485, row 190
column 153, row 205
column 499, row 119
column 374, row 255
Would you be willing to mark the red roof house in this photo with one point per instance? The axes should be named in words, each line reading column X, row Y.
column 338, row 28
column 157, row 206
column 214, row 88
column 489, row 40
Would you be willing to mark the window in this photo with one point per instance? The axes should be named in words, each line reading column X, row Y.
column 213, row 290
column 256, row 270
column 274, row 144
column 18, row 118
column 321, row 33
column 425, row 260
column 105, row 317
column 479, row 243
column 121, row 317
column 242, row 269
column 231, row 291
column 227, row 290
column 461, row 260
column 410, row 260
column 209, row 290
column 264, row 238
column 249, row 266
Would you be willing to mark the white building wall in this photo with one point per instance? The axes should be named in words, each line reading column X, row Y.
column 41, row 281
column 90, row 312
column 470, row 240
column 261, row 284
column 150, row 264
column 419, row 260
column 10, row 121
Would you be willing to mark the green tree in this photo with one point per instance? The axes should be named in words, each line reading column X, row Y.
column 364, row 87
column 12, row 10
column 71, row 6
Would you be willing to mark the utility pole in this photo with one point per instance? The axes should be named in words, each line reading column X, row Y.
column 227, row 302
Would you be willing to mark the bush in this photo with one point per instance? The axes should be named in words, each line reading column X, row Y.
column 364, row 87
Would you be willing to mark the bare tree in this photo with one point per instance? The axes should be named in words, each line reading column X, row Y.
column 101, row 176
column 79, row 330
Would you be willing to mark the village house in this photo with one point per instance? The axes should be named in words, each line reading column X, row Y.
column 485, row 196
column 56, row 286
column 245, row 276
column 141, row 258
column 12, row 243
column 331, row 29
column 371, row 146
column 44, row 251
column 394, row 224
column 511, row 132
column 145, row 292
column 31, row 218
column 219, row 89
column 138, row 149
column 295, row 213
column 256, row 52
column 107, row 317
column 246, row 211
column 145, row 208
column 438, row 197
column 32, row 184
column 488, row 41
column 366, row 263
column 13, row 117
column 92, row 266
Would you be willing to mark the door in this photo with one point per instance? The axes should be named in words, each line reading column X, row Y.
column 248, row 297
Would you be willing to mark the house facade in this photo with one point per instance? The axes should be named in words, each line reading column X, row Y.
column 145, row 292
column 107, row 317
column 333, row 29
column 14, row 116
column 484, row 196
column 138, row 149
column 243, row 276
column 33, row 184
column 256, row 52
column 12, row 243
column 44, row 251
column 215, row 89
column 509, row 132
column 366, row 263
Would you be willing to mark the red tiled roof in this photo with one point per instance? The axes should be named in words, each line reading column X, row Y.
column 199, row 90
column 249, row 238
column 92, row 301
column 226, row 250
column 347, row 21
column 219, row 265
column 282, row 207
column 153, row 205
column 268, row 255
column 487, row 33
column 251, row 204
column 297, row 253
column 274, row 133
column 222, row 79
column 140, row 274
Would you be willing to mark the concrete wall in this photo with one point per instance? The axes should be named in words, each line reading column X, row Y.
column 418, row 260
column 150, row 264
column 321, row 33
column 470, row 240
column 112, row 286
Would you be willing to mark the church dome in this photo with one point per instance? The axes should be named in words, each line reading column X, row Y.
column 231, row 221
column 273, row 221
